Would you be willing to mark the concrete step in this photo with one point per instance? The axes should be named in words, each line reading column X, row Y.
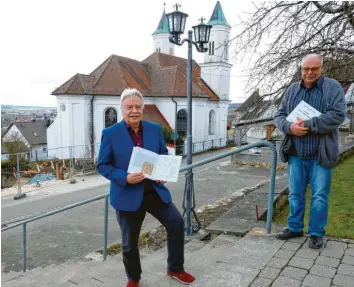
column 241, row 218
column 94, row 272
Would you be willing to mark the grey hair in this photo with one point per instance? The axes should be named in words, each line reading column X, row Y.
column 129, row 93
column 312, row 55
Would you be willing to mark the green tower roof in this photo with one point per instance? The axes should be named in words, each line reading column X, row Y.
column 162, row 28
column 218, row 17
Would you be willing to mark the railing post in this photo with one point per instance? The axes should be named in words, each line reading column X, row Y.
column 105, row 228
column 24, row 247
column 271, row 189
column 18, row 175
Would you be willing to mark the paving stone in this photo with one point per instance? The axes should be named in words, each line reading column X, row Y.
column 323, row 271
column 343, row 280
column 313, row 280
column 301, row 263
column 349, row 251
column 261, row 282
column 270, row 273
column 327, row 261
column 334, row 249
column 349, row 260
column 295, row 273
column 291, row 246
column 286, row 281
column 307, row 254
column 277, row 262
column 299, row 240
column 345, row 269
column 286, row 254
column 351, row 245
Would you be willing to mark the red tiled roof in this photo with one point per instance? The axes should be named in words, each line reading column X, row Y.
column 153, row 114
column 158, row 75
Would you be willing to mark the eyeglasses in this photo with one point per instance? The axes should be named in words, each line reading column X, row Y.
column 312, row 69
column 130, row 107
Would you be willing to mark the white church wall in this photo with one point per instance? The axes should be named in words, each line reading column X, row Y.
column 101, row 104
column 58, row 140
column 168, row 109
column 162, row 44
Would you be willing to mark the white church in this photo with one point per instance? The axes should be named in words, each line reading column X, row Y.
column 87, row 104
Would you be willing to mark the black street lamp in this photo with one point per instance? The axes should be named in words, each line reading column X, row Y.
column 176, row 24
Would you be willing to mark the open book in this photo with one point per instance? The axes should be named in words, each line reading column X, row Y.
column 155, row 166
column 303, row 111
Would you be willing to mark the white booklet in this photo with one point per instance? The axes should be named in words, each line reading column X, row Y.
column 155, row 166
column 303, row 111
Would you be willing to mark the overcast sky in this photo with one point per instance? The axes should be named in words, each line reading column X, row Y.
column 44, row 43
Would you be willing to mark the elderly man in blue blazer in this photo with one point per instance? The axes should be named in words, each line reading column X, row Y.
column 132, row 195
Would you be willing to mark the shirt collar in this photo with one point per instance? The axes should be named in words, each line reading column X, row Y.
column 141, row 126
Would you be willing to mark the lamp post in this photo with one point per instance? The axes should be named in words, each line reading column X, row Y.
column 176, row 24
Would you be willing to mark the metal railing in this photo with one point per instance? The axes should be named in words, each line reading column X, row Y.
column 184, row 168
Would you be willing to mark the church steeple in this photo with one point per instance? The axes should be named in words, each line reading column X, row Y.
column 218, row 17
column 163, row 24
column 161, row 36
column 216, row 68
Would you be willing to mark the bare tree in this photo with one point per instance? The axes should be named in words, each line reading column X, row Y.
column 278, row 34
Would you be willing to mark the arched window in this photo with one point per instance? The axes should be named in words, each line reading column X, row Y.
column 110, row 117
column 182, row 123
column 211, row 122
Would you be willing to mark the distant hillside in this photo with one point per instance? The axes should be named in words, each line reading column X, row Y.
column 9, row 107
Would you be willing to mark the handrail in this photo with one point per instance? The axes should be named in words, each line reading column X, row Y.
column 184, row 168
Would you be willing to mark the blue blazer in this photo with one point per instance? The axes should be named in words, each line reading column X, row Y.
column 113, row 161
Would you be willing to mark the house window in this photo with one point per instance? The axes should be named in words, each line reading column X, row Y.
column 182, row 123
column 44, row 149
column 211, row 122
column 110, row 117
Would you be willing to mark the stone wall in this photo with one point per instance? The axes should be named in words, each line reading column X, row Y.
column 265, row 156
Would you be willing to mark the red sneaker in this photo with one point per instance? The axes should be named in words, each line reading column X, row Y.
column 183, row 277
column 133, row 284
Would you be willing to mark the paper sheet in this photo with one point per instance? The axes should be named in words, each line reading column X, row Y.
column 155, row 166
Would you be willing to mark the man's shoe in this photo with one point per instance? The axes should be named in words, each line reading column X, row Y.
column 316, row 242
column 287, row 234
column 183, row 277
column 133, row 284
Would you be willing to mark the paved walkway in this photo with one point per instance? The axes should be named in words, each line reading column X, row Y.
column 256, row 260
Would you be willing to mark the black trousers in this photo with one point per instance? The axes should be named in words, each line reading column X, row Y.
column 130, row 224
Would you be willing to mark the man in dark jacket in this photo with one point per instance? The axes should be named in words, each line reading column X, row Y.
column 312, row 147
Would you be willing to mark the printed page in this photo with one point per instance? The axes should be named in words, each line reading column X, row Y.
column 303, row 111
column 143, row 160
column 168, row 167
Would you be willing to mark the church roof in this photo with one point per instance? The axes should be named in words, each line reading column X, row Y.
column 162, row 28
column 159, row 75
column 218, row 17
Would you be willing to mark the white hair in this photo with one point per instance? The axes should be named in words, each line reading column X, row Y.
column 130, row 93
column 310, row 56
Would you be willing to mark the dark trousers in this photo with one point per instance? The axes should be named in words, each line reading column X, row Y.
column 130, row 224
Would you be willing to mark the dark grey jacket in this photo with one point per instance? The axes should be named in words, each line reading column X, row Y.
column 325, row 126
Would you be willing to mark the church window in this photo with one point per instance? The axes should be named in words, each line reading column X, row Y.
column 110, row 117
column 211, row 48
column 182, row 123
column 211, row 122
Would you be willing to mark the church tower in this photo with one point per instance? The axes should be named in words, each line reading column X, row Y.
column 215, row 70
column 161, row 37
